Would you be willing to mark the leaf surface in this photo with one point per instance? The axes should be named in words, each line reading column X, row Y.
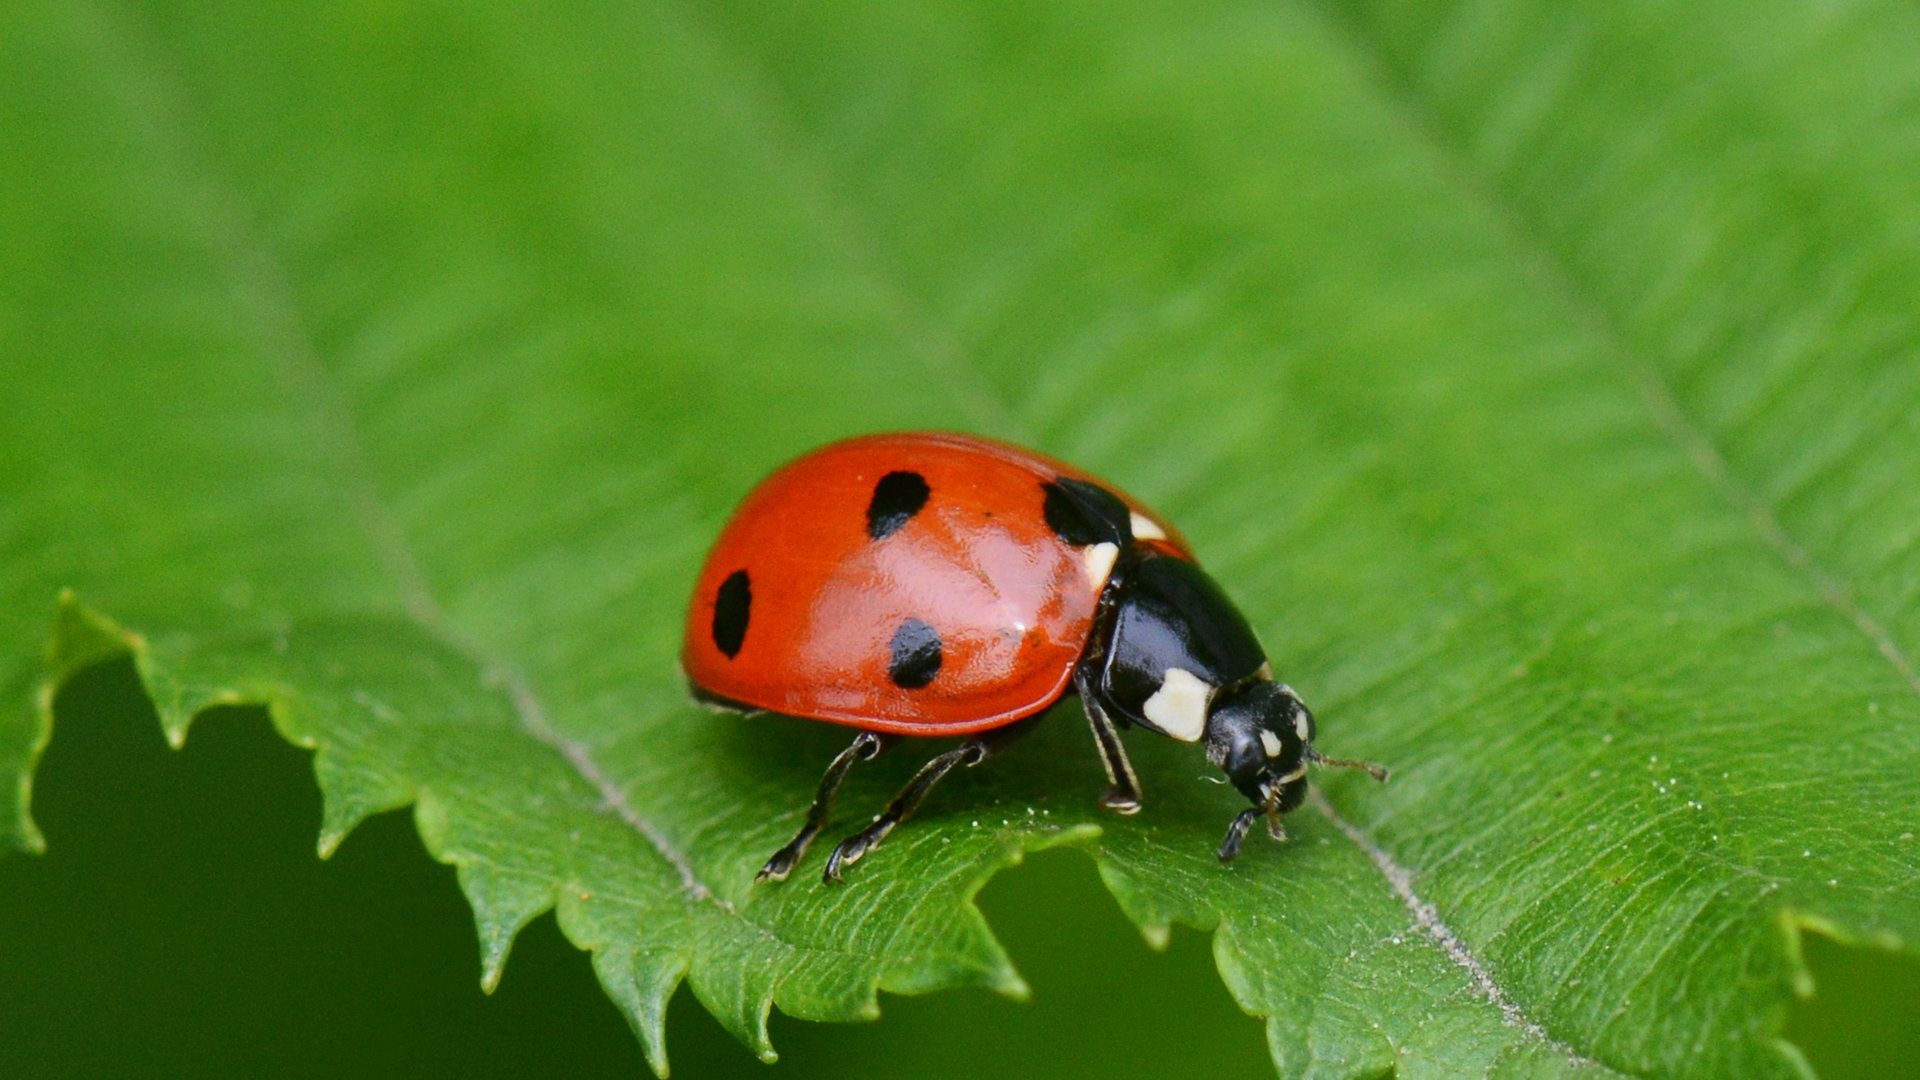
column 1542, row 382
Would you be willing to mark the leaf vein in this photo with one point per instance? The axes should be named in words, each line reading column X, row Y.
column 1427, row 917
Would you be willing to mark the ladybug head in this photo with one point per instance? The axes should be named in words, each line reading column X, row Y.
column 1261, row 736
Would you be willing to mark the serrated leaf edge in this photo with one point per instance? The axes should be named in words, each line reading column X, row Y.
column 83, row 637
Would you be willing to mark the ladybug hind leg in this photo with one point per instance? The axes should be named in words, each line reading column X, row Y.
column 865, row 747
column 969, row 753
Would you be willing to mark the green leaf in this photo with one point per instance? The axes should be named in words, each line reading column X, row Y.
column 1541, row 380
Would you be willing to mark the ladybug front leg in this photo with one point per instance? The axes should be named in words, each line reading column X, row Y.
column 1237, row 832
column 969, row 753
column 865, row 747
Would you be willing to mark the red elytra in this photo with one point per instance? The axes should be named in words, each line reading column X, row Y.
column 1011, row 602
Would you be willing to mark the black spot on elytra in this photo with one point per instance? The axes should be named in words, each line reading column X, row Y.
column 732, row 603
column 896, row 498
column 1082, row 513
column 916, row 655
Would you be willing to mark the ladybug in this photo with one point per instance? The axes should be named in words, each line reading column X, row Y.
column 933, row 584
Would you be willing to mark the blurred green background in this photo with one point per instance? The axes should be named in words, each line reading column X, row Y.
column 244, row 955
column 181, row 925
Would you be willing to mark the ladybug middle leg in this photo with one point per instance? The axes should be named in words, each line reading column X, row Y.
column 865, row 747
column 1123, row 793
column 969, row 753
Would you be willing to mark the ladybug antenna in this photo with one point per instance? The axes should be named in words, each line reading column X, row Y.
column 1378, row 772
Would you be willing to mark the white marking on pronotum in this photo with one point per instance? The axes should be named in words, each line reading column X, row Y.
column 1145, row 528
column 1100, row 559
column 1179, row 707
column 1428, row 918
column 1270, row 742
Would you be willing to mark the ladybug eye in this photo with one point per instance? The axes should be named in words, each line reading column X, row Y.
column 1245, row 758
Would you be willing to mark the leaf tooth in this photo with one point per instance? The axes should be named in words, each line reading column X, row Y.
column 18, row 830
column 16, row 822
column 738, row 990
column 503, row 904
column 334, row 829
column 83, row 637
column 762, row 1043
column 1148, row 908
column 1157, row 935
column 641, row 982
column 1006, row 980
column 350, row 793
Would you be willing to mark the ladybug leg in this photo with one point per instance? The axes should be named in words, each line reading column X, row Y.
column 902, row 806
column 969, row 753
column 865, row 747
column 1237, row 832
column 1123, row 793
